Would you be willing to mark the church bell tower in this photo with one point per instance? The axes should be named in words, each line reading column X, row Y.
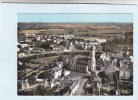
column 93, row 62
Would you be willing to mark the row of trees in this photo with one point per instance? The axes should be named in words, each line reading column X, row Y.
column 40, row 90
column 117, row 44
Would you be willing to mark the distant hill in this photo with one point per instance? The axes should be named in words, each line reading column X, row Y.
column 92, row 29
column 71, row 25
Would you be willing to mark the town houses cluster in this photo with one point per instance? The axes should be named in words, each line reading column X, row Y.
column 66, row 63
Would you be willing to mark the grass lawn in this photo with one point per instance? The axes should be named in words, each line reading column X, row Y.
column 45, row 60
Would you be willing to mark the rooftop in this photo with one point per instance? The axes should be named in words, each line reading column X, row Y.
column 55, row 69
column 124, row 68
column 81, row 57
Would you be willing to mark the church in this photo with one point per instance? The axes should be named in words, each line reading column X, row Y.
column 82, row 63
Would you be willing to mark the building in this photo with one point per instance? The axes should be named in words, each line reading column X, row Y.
column 83, row 64
column 97, row 84
column 131, row 59
column 56, row 72
column 54, row 83
column 73, row 88
column 60, row 64
column 66, row 72
column 28, row 40
column 101, row 40
column 24, row 84
column 40, row 81
column 71, row 47
column 104, row 57
column 24, row 45
column 18, row 49
column 87, row 46
column 46, row 84
column 124, row 72
column 58, row 40
column 80, row 63
column 109, row 70
column 21, row 54
column 38, row 38
column 58, row 48
column 93, row 61
column 65, row 59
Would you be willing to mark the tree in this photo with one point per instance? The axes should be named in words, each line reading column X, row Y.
column 115, row 78
column 31, row 79
column 105, row 78
column 44, row 75
column 45, row 45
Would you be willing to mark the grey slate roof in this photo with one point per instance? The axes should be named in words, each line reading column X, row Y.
column 55, row 69
column 124, row 68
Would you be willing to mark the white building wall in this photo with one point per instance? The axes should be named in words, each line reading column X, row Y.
column 57, row 74
column 66, row 73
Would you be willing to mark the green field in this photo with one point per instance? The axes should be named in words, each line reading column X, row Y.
column 45, row 60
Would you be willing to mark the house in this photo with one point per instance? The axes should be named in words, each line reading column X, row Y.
column 131, row 58
column 24, row 84
column 30, row 48
column 60, row 64
column 58, row 48
column 46, row 84
column 103, row 68
column 55, row 41
column 40, row 81
column 101, row 40
column 67, row 36
column 18, row 49
column 124, row 72
column 58, row 40
column 43, row 40
column 71, row 47
column 38, row 49
column 54, row 83
column 120, row 64
column 56, row 72
column 20, row 63
column 52, row 45
column 65, row 59
column 65, row 48
column 88, row 46
column 82, row 44
column 94, row 42
column 21, row 54
column 66, row 72
column 38, row 38
column 28, row 40
column 76, row 42
column 97, row 79
column 24, row 45
column 117, row 56
column 104, row 57
column 109, row 70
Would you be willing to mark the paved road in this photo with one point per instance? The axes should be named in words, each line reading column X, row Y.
column 76, row 76
column 81, row 89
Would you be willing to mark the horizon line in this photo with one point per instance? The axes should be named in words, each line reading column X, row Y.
column 73, row 22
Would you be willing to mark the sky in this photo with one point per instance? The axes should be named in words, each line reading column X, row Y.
column 75, row 18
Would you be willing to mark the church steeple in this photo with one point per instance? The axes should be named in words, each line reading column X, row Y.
column 93, row 62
